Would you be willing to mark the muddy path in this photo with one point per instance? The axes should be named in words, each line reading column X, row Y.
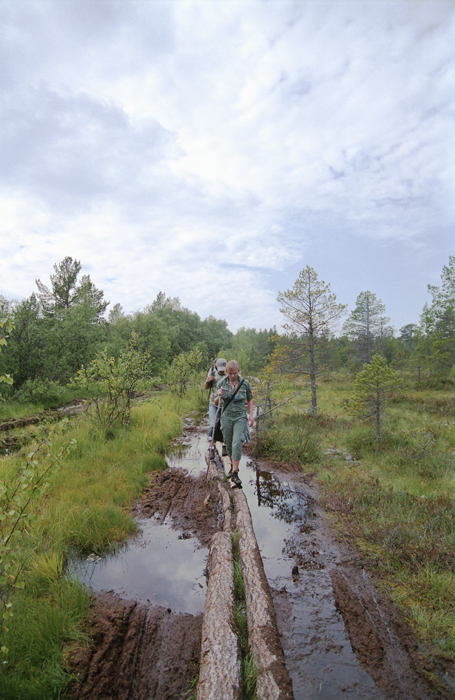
column 340, row 636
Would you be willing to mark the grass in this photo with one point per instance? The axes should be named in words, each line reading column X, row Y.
column 395, row 501
column 87, row 509
column 249, row 672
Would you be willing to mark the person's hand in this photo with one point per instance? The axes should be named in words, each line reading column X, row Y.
column 250, row 421
column 220, row 391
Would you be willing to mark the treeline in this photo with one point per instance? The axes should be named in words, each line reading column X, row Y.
column 311, row 345
column 63, row 326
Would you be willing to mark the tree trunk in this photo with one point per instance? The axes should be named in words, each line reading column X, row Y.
column 313, row 369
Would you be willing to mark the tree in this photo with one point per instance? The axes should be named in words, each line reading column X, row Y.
column 365, row 324
column 183, row 371
column 439, row 319
column 26, row 345
column 115, row 382
column 72, row 319
column 373, row 385
column 311, row 311
column 5, row 328
column 66, row 292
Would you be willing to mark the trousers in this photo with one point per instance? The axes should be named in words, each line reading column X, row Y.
column 234, row 431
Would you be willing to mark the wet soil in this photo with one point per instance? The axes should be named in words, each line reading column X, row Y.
column 141, row 651
column 341, row 637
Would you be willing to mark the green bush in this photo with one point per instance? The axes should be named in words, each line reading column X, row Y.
column 41, row 391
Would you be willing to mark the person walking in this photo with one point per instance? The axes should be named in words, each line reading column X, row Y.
column 233, row 392
column 216, row 372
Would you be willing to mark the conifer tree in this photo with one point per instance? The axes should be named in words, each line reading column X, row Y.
column 439, row 319
column 311, row 311
column 373, row 386
column 365, row 324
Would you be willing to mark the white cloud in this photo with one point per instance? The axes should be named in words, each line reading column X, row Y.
column 193, row 146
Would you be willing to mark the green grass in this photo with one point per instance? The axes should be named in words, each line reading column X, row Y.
column 395, row 501
column 249, row 672
column 87, row 509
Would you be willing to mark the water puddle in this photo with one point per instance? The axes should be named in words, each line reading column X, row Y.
column 316, row 646
column 157, row 567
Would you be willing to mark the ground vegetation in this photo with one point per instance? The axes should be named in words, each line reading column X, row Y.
column 392, row 499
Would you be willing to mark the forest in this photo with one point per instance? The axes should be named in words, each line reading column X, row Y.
column 49, row 336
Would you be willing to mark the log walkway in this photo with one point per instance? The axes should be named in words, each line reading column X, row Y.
column 220, row 673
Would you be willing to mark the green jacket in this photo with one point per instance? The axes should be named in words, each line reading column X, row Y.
column 236, row 407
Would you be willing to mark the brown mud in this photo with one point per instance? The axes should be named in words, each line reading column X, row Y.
column 140, row 652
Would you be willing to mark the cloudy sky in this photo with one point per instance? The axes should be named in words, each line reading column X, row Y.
column 211, row 150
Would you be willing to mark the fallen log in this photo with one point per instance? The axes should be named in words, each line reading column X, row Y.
column 273, row 681
column 220, row 668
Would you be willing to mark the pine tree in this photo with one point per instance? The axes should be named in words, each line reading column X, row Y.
column 311, row 311
column 373, row 386
column 365, row 324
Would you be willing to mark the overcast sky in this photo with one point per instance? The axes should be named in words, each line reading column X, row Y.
column 211, row 150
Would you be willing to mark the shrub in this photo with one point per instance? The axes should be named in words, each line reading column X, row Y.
column 42, row 391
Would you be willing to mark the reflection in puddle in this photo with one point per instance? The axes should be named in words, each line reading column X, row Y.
column 157, row 567
column 275, row 507
column 160, row 566
column 189, row 456
column 279, row 496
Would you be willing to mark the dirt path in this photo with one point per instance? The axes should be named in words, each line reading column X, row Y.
column 141, row 652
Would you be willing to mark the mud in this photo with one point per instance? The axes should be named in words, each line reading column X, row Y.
column 141, row 651
column 136, row 652
column 330, row 578
column 341, row 637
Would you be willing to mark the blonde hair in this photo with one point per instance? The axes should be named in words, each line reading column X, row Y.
column 232, row 366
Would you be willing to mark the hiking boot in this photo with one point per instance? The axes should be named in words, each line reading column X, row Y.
column 224, row 452
column 212, row 452
column 229, row 474
column 236, row 479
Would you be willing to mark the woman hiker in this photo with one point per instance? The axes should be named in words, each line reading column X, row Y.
column 232, row 393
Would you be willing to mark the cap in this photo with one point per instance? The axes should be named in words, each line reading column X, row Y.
column 221, row 364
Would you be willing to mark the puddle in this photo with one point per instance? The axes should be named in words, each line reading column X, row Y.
column 160, row 566
column 275, row 506
column 316, row 646
column 189, row 455
column 157, row 567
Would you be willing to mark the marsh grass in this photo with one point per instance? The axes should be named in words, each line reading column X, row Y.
column 249, row 672
column 294, row 438
column 395, row 500
column 87, row 509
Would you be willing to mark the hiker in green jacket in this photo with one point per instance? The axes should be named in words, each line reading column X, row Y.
column 232, row 393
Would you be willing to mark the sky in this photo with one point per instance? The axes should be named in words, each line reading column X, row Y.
column 212, row 150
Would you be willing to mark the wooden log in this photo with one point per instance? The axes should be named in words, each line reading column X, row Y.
column 273, row 681
column 212, row 470
column 220, row 668
column 226, row 508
